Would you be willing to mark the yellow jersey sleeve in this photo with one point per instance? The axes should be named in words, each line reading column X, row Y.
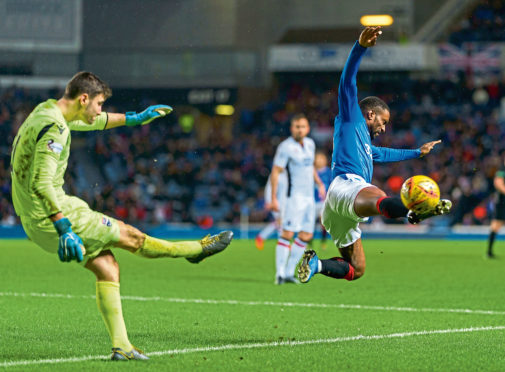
column 99, row 124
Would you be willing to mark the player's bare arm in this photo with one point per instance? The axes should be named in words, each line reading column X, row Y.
column 427, row 147
column 56, row 217
column 274, row 180
column 368, row 37
column 320, row 185
column 87, row 109
column 499, row 184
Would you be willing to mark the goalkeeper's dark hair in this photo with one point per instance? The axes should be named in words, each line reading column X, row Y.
column 374, row 104
column 86, row 82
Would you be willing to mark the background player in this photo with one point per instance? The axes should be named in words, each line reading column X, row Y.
column 324, row 173
column 65, row 224
column 295, row 155
column 499, row 209
column 275, row 225
column 351, row 197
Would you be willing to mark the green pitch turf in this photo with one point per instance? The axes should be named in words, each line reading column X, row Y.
column 422, row 305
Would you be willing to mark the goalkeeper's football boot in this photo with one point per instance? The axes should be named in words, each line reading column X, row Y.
column 308, row 267
column 443, row 207
column 134, row 354
column 212, row 245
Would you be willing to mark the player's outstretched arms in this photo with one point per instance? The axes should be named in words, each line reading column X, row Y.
column 146, row 116
column 368, row 37
column 70, row 246
column 427, row 147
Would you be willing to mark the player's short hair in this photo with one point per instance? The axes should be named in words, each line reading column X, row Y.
column 86, row 82
column 373, row 103
column 297, row 117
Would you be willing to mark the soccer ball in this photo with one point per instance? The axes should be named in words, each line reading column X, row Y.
column 420, row 194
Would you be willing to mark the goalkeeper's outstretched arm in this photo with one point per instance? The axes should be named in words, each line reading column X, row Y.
column 109, row 120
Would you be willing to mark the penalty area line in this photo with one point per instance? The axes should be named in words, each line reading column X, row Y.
column 263, row 303
column 262, row 345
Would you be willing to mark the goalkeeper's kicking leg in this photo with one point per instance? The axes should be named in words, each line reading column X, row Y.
column 144, row 245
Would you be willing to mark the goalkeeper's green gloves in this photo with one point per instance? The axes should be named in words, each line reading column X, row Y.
column 146, row 116
column 70, row 246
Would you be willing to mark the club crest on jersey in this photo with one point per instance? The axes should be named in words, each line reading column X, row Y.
column 106, row 222
column 368, row 150
column 54, row 146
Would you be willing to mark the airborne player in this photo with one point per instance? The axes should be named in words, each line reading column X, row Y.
column 351, row 198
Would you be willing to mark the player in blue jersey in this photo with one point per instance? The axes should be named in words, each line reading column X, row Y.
column 351, row 198
column 324, row 173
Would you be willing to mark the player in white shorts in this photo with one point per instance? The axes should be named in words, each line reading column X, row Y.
column 275, row 225
column 295, row 156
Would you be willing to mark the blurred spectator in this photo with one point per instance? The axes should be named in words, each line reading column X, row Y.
column 486, row 22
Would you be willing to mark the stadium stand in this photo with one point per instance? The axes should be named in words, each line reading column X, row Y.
column 163, row 174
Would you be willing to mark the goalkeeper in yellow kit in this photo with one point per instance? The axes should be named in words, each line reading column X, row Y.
column 65, row 224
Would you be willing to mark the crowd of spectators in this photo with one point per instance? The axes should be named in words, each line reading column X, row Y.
column 485, row 23
column 215, row 169
column 470, row 121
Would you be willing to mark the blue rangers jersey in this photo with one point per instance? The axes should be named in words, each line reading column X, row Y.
column 353, row 151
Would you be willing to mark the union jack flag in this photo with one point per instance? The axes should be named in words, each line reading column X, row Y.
column 475, row 57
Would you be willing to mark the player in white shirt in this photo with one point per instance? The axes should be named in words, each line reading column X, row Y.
column 295, row 156
column 275, row 225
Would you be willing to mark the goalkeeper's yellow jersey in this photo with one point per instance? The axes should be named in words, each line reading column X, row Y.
column 39, row 159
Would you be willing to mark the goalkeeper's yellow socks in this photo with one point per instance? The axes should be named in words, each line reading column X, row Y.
column 154, row 248
column 109, row 304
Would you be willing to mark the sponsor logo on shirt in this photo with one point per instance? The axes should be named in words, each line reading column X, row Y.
column 106, row 222
column 54, row 146
column 368, row 150
column 308, row 161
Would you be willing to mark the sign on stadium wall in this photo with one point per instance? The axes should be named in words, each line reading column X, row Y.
column 41, row 25
column 303, row 57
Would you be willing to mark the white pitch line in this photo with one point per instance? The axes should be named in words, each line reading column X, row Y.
column 263, row 303
column 257, row 345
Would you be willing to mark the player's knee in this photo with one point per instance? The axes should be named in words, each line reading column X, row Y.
column 104, row 266
column 306, row 237
column 358, row 272
column 137, row 237
column 130, row 237
column 288, row 235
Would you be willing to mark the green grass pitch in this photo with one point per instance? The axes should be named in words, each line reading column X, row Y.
column 422, row 305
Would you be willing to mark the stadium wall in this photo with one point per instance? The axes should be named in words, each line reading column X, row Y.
column 188, row 231
column 209, row 43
